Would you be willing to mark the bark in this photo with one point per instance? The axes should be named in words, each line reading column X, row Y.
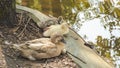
column 74, row 44
column 7, row 13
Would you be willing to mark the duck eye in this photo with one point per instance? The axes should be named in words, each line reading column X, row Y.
column 62, row 40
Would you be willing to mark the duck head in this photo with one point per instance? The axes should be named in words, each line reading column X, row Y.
column 56, row 38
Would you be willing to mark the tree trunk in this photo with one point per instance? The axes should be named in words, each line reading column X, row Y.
column 7, row 12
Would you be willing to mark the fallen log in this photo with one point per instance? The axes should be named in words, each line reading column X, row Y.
column 75, row 44
column 37, row 16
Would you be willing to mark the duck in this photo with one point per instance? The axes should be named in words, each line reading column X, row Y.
column 42, row 48
column 60, row 29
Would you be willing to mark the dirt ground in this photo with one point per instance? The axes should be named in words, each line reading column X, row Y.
column 2, row 60
column 26, row 30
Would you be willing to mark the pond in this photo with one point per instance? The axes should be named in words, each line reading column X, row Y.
column 97, row 21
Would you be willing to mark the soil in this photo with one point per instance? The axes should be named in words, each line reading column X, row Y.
column 2, row 60
column 25, row 30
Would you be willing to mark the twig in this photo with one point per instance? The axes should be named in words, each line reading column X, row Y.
column 21, row 18
column 24, row 27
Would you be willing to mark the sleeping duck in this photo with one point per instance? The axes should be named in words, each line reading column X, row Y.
column 41, row 48
column 60, row 29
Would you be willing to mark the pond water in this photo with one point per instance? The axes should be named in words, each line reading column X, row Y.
column 97, row 21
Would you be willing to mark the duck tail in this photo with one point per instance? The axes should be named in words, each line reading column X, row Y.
column 15, row 46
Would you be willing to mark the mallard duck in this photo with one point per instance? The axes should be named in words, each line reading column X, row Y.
column 41, row 48
column 60, row 29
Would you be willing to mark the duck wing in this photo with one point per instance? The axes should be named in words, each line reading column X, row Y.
column 40, row 40
column 49, row 49
column 40, row 47
column 36, row 46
